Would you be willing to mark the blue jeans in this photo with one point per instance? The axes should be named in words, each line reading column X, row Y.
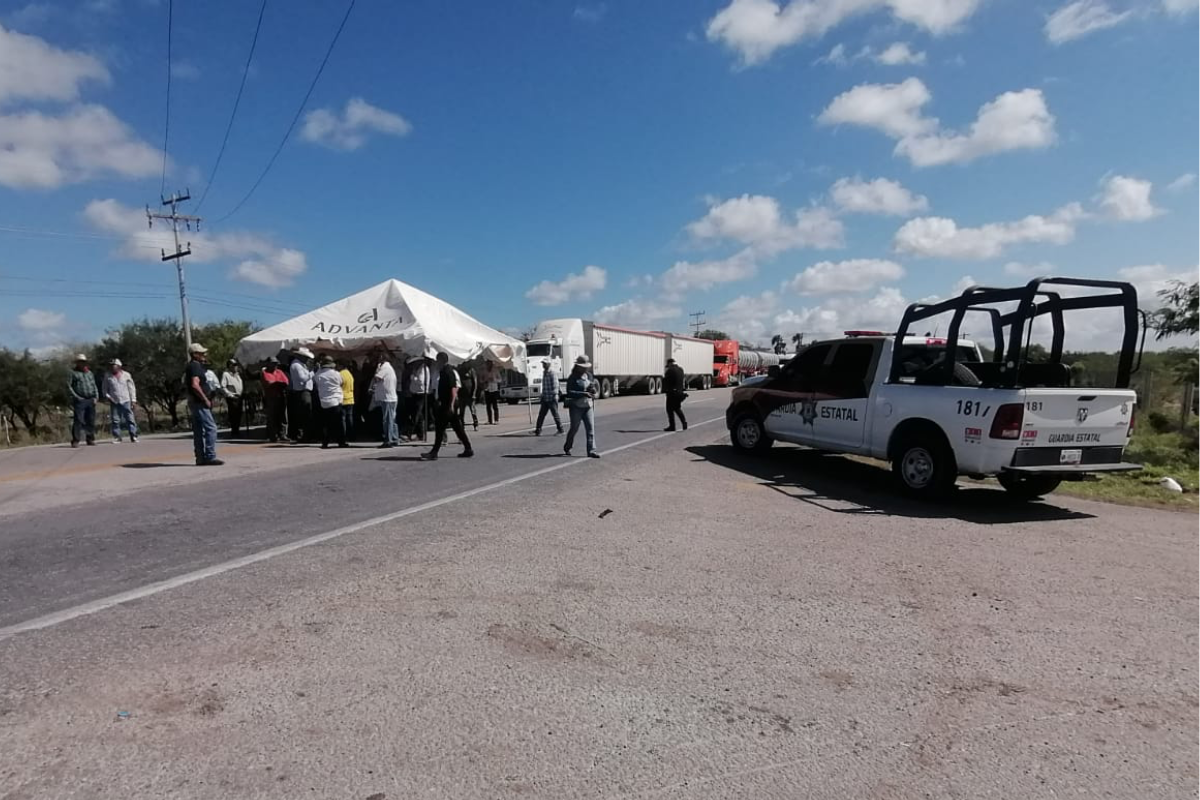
column 549, row 407
column 586, row 416
column 121, row 415
column 204, row 434
column 84, row 421
column 390, row 434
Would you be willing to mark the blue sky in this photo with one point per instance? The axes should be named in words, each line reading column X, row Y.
column 806, row 166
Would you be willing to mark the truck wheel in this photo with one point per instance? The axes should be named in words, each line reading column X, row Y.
column 708, row 382
column 657, row 385
column 606, row 388
column 925, row 466
column 1027, row 487
column 748, row 434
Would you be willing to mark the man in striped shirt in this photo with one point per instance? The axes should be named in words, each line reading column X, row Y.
column 549, row 399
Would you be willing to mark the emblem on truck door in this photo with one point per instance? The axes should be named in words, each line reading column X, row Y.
column 808, row 411
column 1081, row 415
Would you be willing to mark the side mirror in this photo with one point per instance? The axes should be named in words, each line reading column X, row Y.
column 773, row 371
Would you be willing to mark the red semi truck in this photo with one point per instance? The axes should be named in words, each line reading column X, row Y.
column 733, row 363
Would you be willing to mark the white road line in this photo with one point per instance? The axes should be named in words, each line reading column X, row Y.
column 68, row 614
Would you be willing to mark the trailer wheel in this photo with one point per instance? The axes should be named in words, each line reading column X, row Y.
column 924, row 464
column 707, row 382
column 606, row 388
column 1027, row 487
column 748, row 434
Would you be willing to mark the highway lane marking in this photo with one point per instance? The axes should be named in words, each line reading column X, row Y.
column 95, row 606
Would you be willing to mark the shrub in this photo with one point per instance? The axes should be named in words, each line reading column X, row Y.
column 1159, row 422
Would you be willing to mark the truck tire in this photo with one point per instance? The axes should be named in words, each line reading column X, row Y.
column 748, row 433
column 707, row 382
column 1027, row 487
column 606, row 388
column 924, row 464
column 655, row 385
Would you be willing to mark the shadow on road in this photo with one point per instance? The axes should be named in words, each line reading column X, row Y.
column 846, row 486
column 395, row 458
column 641, row 430
column 153, row 465
column 559, row 454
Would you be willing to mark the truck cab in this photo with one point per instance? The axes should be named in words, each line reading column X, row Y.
column 935, row 408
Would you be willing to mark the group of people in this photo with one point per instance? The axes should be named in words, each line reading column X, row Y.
column 318, row 395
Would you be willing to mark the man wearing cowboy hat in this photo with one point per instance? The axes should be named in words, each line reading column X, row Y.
column 82, row 385
column 549, row 404
column 232, row 387
column 204, row 427
column 274, row 386
column 300, row 387
column 121, row 394
column 673, row 388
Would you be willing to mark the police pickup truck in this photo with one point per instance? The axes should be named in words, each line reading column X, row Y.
column 935, row 409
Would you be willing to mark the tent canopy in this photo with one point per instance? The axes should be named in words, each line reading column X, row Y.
column 400, row 317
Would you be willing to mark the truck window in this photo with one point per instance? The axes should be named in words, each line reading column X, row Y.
column 849, row 374
column 920, row 363
column 805, row 371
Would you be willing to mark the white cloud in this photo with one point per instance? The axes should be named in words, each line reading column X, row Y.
column 36, row 320
column 639, row 282
column 350, row 130
column 1150, row 279
column 638, row 313
column 1180, row 6
column 1012, row 121
column 1128, row 199
column 758, row 221
column 185, row 70
column 830, row 318
column 45, row 151
column 1078, row 19
column 880, row 196
column 755, row 29
column 573, row 287
column 590, row 13
column 260, row 260
column 685, row 276
column 898, row 53
column 1184, row 181
column 1018, row 269
column 836, row 56
column 853, row 275
column 746, row 318
column 940, row 237
column 32, row 69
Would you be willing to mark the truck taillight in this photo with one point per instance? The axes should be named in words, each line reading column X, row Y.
column 1007, row 422
column 1132, row 420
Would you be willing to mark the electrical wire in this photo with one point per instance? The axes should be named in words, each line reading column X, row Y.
column 337, row 35
column 167, row 115
column 212, row 176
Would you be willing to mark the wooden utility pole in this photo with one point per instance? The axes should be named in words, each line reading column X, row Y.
column 697, row 322
column 175, row 219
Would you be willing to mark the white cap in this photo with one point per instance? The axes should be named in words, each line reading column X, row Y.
column 197, row 348
column 116, row 362
column 81, row 357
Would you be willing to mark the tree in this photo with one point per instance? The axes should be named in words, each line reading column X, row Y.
column 798, row 341
column 777, row 344
column 29, row 386
column 714, row 335
column 1179, row 314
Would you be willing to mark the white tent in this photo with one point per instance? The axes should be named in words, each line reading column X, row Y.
column 401, row 317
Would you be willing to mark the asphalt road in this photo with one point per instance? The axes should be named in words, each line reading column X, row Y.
column 675, row 620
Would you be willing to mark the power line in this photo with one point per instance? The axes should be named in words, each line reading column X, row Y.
column 167, row 115
column 260, row 303
column 212, row 177
column 337, row 35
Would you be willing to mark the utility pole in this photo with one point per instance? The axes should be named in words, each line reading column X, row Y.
column 175, row 218
column 697, row 321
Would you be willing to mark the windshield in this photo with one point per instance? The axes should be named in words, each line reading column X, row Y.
column 720, row 359
column 542, row 350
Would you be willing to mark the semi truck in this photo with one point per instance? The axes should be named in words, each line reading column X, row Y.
column 733, row 363
column 623, row 360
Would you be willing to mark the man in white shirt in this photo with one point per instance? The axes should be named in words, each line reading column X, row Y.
column 300, row 386
column 418, row 396
column 383, row 390
column 232, row 387
column 329, row 394
column 121, row 394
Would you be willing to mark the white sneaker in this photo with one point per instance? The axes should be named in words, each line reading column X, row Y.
column 116, row 440
column 133, row 440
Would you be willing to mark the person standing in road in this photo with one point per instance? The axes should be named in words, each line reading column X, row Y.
column 549, row 400
column 82, row 385
column 491, row 392
column 204, row 427
column 233, row 389
column 347, row 397
column 121, row 394
column 673, row 380
column 329, row 395
column 300, row 386
column 466, row 393
column 419, row 389
column 383, row 387
column 275, row 389
column 445, row 410
column 581, row 393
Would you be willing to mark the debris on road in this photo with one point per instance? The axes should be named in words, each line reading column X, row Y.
column 605, row 513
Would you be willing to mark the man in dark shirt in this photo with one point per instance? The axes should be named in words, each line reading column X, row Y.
column 204, row 427
column 445, row 411
column 673, row 380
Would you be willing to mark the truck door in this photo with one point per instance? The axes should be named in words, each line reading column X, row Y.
column 841, row 400
column 792, row 393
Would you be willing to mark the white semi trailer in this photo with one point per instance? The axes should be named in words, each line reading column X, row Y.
column 623, row 360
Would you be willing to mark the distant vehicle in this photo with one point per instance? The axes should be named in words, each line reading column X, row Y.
column 935, row 409
column 733, row 364
column 623, row 360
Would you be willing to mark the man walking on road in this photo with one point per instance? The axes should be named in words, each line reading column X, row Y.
column 383, row 387
column 82, row 385
column 445, row 410
column 233, row 389
column 491, row 392
column 581, row 394
column 549, row 400
column 467, row 392
column 673, row 380
column 329, row 395
column 204, row 427
column 275, row 388
column 121, row 394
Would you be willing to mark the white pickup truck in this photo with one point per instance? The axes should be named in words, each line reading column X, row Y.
column 936, row 411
